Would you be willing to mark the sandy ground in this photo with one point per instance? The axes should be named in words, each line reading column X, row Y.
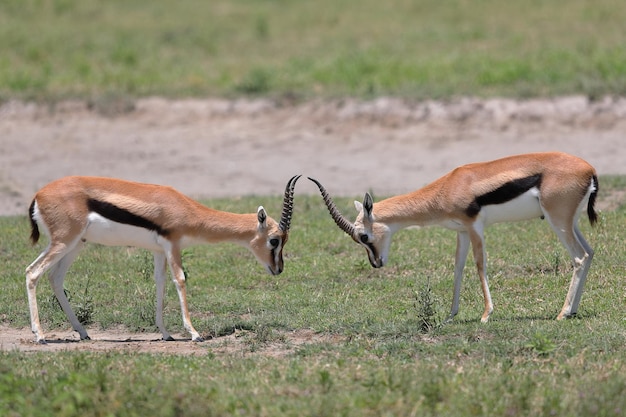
column 227, row 148
column 220, row 148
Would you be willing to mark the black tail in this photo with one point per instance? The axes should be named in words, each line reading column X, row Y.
column 593, row 216
column 34, row 230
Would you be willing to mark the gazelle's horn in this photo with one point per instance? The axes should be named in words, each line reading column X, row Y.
column 343, row 223
column 285, row 217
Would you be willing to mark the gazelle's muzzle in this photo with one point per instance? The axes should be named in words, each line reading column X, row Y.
column 275, row 270
column 376, row 263
column 277, row 263
column 372, row 255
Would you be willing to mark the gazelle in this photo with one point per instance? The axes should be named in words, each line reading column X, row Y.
column 551, row 185
column 75, row 210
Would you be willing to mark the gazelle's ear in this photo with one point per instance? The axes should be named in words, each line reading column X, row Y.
column 262, row 217
column 358, row 206
column 368, row 205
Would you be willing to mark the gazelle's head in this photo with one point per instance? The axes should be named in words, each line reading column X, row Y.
column 374, row 236
column 271, row 237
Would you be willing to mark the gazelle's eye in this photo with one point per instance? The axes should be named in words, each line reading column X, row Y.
column 363, row 238
column 274, row 242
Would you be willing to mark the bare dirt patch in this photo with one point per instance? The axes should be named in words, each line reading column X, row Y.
column 223, row 148
column 121, row 340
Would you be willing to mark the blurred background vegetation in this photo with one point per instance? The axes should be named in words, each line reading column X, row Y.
column 56, row 49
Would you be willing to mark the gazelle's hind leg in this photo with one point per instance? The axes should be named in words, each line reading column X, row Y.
column 581, row 254
column 584, row 272
column 46, row 260
column 56, row 277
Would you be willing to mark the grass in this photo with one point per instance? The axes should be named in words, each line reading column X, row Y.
column 116, row 50
column 523, row 362
column 395, row 357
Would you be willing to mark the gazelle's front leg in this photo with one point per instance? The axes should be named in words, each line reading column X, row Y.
column 174, row 260
column 462, row 249
column 480, row 257
column 160, row 273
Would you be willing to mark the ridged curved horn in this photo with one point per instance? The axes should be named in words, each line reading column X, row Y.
column 285, row 218
column 343, row 223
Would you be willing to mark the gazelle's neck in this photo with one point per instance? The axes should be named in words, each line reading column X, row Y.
column 218, row 226
column 419, row 208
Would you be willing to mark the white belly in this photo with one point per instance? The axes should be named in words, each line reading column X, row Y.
column 106, row 232
column 524, row 207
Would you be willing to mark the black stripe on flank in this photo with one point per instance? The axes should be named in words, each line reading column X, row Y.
column 506, row 192
column 120, row 215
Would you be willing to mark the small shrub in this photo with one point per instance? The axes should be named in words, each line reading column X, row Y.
column 84, row 308
column 541, row 344
column 425, row 306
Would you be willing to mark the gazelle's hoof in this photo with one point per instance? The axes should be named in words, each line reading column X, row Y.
column 566, row 316
column 448, row 319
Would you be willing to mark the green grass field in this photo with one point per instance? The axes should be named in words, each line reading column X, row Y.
column 56, row 49
column 523, row 362
column 395, row 357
